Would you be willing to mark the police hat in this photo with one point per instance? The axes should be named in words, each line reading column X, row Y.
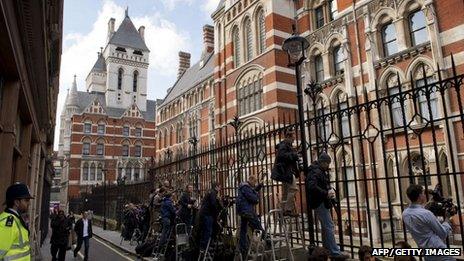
column 18, row 191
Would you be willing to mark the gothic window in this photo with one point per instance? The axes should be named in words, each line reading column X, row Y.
column 338, row 59
column 319, row 68
column 129, row 171
column 85, row 171
column 418, row 28
column 323, row 123
column 125, row 131
column 261, row 22
column 100, row 147
column 396, row 106
column 236, row 42
column 86, row 147
column 248, row 40
column 193, row 127
column 92, row 172
column 120, row 74
column 391, row 181
column 138, row 132
column 134, row 82
column 125, row 150
column 423, row 103
column 138, row 150
column 136, row 173
column 87, row 127
column 319, row 16
column 101, row 128
column 99, row 172
column 389, row 40
column 250, row 94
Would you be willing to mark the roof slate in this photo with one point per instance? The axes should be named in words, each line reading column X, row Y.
column 85, row 98
column 100, row 65
column 191, row 78
column 128, row 36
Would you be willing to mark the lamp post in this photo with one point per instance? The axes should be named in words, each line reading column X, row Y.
column 194, row 141
column 121, row 181
column 236, row 123
column 295, row 46
column 104, row 198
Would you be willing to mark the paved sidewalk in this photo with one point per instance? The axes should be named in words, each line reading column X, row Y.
column 113, row 238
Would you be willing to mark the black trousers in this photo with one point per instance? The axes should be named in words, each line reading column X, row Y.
column 81, row 240
column 60, row 250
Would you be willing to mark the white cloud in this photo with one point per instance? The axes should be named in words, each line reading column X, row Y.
column 80, row 50
column 172, row 4
column 210, row 6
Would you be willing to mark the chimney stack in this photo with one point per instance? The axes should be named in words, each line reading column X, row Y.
column 142, row 32
column 184, row 63
column 110, row 28
column 208, row 38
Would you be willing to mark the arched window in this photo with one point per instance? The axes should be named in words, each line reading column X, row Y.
column 346, row 176
column 134, row 81
column 318, row 68
column 398, row 110
column 129, row 171
column 248, row 40
column 101, row 127
column 389, row 41
column 250, row 93
column 86, row 147
column 418, row 28
column 85, row 171
column 424, row 86
column 99, row 172
column 341, row 104
column 261, row 22
column 125, row 149
column 120, row 75
column 337, row 56
column 236, row 42
column 138, row 149
column 100, row 147
column 136, row 173
column 92, row 172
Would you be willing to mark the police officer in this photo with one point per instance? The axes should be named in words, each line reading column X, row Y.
column 14, row 234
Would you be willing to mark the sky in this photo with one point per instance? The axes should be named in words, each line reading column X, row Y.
column 170, row 26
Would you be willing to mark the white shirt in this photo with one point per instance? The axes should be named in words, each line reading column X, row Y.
column 86, row 228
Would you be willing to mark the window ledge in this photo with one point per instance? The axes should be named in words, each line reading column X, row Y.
column 339, row 78
column 403, row 55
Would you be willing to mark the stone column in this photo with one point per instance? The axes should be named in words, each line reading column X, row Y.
column 326, row 61
column 400, row 34
column 8, row 113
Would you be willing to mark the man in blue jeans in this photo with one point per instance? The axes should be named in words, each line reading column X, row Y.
column 321, row 194
column 84, row 233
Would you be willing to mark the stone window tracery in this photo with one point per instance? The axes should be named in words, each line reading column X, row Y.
column 236, row 42
column 261, row 28
column 250, row 92
column 248, row 40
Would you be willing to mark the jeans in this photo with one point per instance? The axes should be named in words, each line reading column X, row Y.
column 60, row 250
column 86, row 247
column 166, row 231
column 327, row 229
column 207, row 231
column 288, row 196
column 254, row 223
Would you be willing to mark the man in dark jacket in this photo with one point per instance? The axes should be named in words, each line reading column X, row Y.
column 60, row 234
column 84, row 233
column 320, row 199
column 209, row 211
column 168, row 216
column 286, row 171
column 247, row 199
column 186, row 203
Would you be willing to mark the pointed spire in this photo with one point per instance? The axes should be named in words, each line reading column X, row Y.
column 127, row 11
column 72, row 99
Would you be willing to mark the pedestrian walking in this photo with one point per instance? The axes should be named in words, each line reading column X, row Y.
column 286, row 170
column 247, row 199
column 14, row 233
column 60, row 236
column 83, row 229
column 321, row 197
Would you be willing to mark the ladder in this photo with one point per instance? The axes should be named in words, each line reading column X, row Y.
column 277, row 227
column 182, row 241
column 207, row 254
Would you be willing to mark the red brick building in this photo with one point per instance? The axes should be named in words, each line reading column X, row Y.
column 108, row 131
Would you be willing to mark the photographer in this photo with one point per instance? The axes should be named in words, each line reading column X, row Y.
column 186, row 203
column 423, row 225
column 321, row 200
column 209, row 211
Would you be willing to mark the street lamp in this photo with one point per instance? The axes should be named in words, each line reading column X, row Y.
column 121, row 181
column 295, row 46
column 236, row 123
column 194, row 141
column 104, row 198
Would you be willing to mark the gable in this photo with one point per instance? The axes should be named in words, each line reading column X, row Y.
column 95, row 108
column 133, row 112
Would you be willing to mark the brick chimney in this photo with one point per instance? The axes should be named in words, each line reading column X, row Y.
column 142, row 32
column 184, row 63
column 110, row 28
column 208, row 38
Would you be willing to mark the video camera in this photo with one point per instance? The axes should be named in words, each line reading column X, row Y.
column 228, row 201
column 440, row 206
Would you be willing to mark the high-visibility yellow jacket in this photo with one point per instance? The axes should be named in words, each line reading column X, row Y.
column 14, row 239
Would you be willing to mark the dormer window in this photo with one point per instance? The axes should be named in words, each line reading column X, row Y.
column 120, row 49
column 138, row 52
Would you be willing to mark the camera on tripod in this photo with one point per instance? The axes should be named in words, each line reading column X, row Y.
column 439, row 205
